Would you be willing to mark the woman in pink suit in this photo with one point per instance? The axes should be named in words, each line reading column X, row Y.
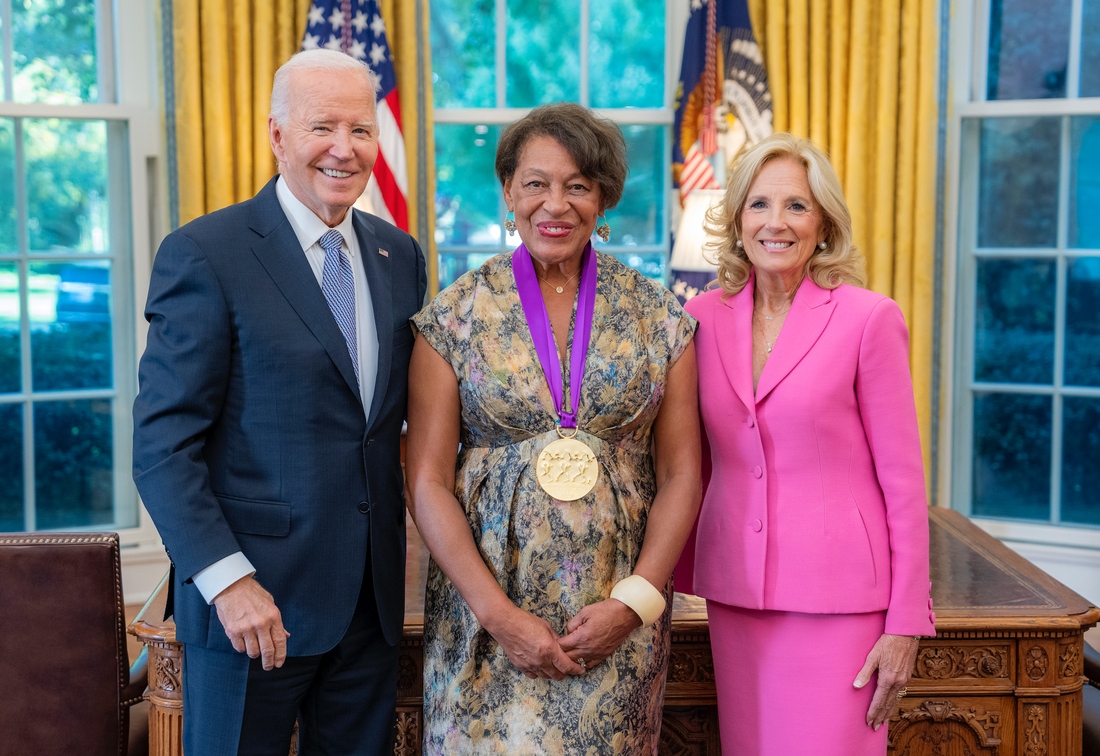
column 812, row 541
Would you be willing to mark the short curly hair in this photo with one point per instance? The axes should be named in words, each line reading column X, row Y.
column 838, row 263
column 595, row 144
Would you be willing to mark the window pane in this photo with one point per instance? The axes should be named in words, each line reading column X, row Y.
column 11, row 467
column 1084, row 182
column 73, row 472
column 1011, row 476
column 1090, row 50
column 8, row 242
column 463, row 36
column 10, row 380
column 1014, row 321
column 54, row 51
column 639, row 217
column 651, row 265
column 1081, row 460
column 66, row 164
column 1082, row 352
column 467, row 193
column 70, row 314
column 1028, row 49
column 1018, row 184
column 452, row 265
column 624, row 37
column 543, row 55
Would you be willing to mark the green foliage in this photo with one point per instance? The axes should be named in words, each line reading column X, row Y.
column 626, row 54
column 72, row 463
column 463, row 35
column 543, row 55
column 11, row 467
column 54, row 51
column 7, row 185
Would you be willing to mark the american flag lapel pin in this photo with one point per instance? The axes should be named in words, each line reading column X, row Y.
column 383, row 252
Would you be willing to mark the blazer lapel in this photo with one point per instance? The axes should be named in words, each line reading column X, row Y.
column 281, row 255
column 733, row 325
column 810, row 312
column 380, row 280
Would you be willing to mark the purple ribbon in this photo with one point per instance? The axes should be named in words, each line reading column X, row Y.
column 538, row 320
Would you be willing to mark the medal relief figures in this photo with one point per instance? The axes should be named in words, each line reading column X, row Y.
column 551, row 470
column 812, row 542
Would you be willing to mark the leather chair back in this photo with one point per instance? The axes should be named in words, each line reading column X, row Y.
column 63, row 658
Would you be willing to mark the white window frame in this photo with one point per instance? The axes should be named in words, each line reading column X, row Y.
column 968, row 61
column 676, row 16
column 129, row 72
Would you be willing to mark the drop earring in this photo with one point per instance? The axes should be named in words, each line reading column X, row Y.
column 510, row 223
column 603, row 230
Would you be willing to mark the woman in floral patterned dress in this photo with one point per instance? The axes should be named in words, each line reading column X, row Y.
column 525, row 650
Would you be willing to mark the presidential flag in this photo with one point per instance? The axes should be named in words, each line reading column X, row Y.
column 723, row 106
column 356, row 28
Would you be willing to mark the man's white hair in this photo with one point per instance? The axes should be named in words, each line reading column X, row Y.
column 313, row 60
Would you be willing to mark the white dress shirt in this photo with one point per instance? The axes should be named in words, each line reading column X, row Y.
column 309, row 229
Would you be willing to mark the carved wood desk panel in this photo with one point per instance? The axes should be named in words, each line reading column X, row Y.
column 1002, row 677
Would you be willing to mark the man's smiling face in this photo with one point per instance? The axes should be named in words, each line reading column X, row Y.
column 327, row 147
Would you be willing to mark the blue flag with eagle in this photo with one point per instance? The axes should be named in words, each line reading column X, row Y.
column 723, row 106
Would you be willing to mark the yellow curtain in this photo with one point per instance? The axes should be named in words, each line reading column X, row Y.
column 859, row 78
column 226, row 55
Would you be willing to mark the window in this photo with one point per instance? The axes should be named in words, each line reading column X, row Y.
column 492, row 61
column 67, row 250
column 1027, row 381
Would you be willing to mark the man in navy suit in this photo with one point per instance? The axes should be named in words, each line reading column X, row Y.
column 267, row 435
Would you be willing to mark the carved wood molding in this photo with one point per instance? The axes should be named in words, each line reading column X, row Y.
column 1036, row 663
column 1035, row 733
column 691, row 666
column 408, row 676
column 1070, row 656
column 949, row 662
column 985, row 724
column 406, row 733
column 687, row 732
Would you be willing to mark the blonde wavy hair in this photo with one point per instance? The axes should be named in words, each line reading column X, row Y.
column 837, row 264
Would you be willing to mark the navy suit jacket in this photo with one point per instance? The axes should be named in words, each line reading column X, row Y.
column 249, row 433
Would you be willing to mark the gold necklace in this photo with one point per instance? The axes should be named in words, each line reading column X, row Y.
column 558, row 289
column 768, row 345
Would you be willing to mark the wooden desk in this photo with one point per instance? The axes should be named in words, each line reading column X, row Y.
column 1003, row 675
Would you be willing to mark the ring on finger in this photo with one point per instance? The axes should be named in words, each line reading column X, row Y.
column 580, row 661
column 902, row 692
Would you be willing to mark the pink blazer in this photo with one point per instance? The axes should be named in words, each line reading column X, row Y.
column 815, row 500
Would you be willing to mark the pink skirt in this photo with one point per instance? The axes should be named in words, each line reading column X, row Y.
column 785, row 681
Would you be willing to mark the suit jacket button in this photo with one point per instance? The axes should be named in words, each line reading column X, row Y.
column 757, row 525
column 932, row 617
column 757, row 471
column 364, row 507
column 751, row 422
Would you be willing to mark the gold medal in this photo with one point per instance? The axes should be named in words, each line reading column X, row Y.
column 567, row 469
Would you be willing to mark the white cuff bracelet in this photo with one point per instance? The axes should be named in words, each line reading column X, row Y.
column 637, row 593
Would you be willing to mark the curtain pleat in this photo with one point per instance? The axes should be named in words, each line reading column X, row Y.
column 859, row 78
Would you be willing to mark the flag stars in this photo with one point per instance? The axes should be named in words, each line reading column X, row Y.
column 310, row 42
column 336, row 19
column 333, row 43
column 316, row 15
column 358, row 50
column 378, row 26
column 377, row 54
column 360, row 21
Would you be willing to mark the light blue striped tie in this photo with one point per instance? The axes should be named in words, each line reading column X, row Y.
column 338, row 284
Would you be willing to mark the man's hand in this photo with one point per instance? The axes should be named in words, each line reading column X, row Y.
column 252, row 621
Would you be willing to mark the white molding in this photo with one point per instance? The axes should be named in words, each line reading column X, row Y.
column 1042, row 534
column 90, row 111
column 1051, row 107
column 1077, row 569
column 142, row 570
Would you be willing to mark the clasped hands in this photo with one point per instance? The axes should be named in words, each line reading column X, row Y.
column 592, row 635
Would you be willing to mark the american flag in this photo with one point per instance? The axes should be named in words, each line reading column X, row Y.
column 356, row 28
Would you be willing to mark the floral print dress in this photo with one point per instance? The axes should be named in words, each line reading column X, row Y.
column 551, row 557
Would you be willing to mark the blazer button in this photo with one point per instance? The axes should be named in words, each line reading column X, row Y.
column 751, row 422
column 757, row 525
column 364, row 507
column 756, row 471
column 929, row 602
column 932, row 617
